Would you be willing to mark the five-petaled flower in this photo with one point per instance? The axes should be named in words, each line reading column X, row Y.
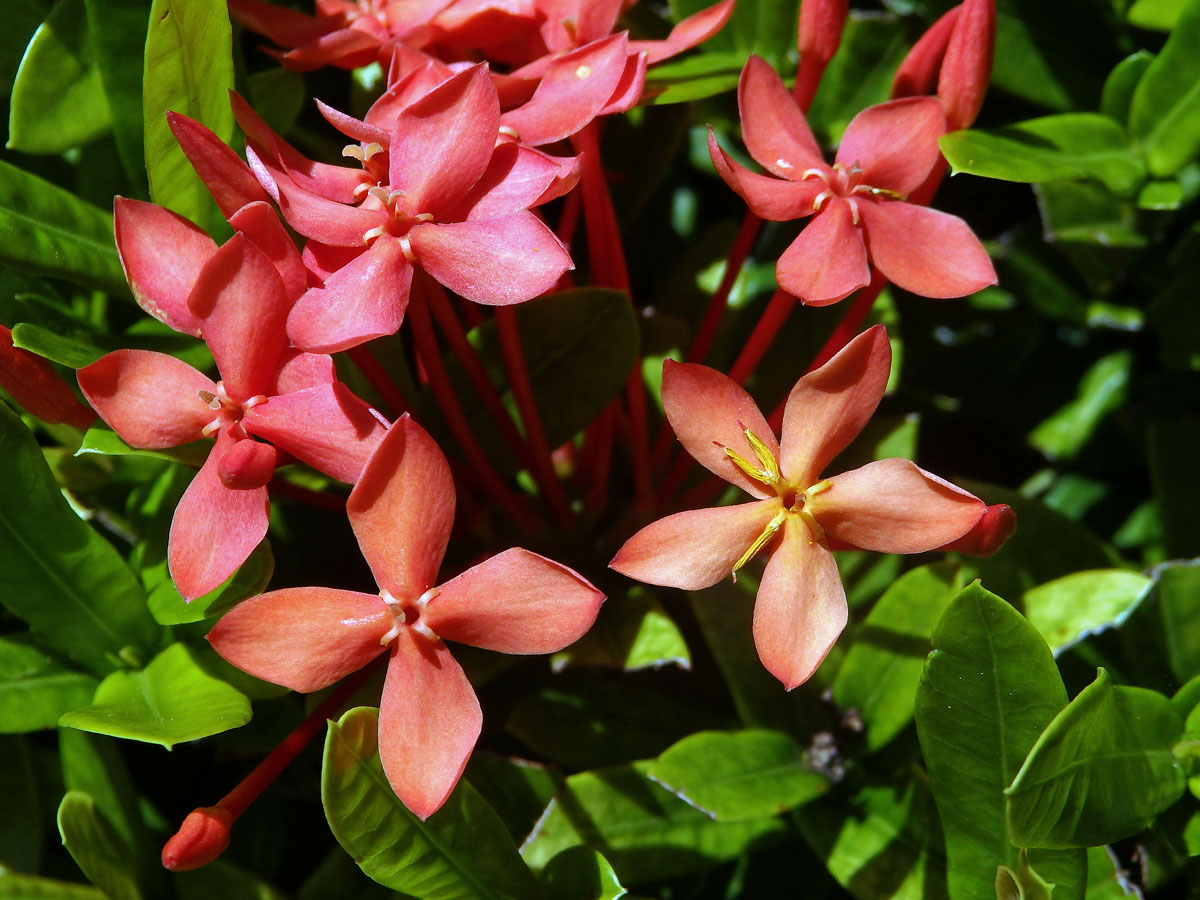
column 401, row 510
column 857, row 204
column 890, row 505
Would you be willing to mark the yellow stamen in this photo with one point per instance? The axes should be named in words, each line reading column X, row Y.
column 762, row 540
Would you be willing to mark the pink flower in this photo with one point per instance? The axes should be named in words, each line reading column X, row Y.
column 857, row 204
column 889, row 506
column 290, row 400
column 402, row 510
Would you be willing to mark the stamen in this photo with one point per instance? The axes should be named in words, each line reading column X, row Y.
column 821, row 198
column 212, row 426
column 770, row 467
column 853, row 209
column 816, row 532
column 583, row 71
column 253, row 402
column 423, row 217
column 509, row 131
column 406, row 249
column 380, row 193
column 425, row 631
column 210, row 399
column 373, row 233
column 747, row 467
column 360, row 189
column 815, row 173
column 353, row 151
column 761, row 541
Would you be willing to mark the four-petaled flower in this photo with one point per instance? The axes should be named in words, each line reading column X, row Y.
column 401, row 510
column 890, row 505
column 857, row 204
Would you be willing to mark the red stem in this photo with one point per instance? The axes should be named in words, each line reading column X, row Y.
column 439, row 381
column 380, row 380
column 772, row 320
column 542, row 466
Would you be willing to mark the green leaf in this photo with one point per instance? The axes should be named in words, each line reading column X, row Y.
column 76, row 347
column 57, row 574
column 188, row 69
column 58, row 100
column 171, row 701
column 32, row 887
column 105, row 859
column 579, row 346
column 106, row 442
column 738, row 775
column 1067, row 146
column 1022, row 883
column 1084, row 212
column 21, row 826
column 882, row 669
column 117, row 29
column 224, row 880
column 517, row 789
column 694, row 78
column 988, row 689
column 1159, row 14
column 461, row 852
column 1120, row 84
column 1165, row 112
column 632, row 632
column 1076, row 606
column 1100, row 771
column 644, row 830
column 49, row 231
column 35, row 690
column 1178, row 593
column 1101, row 392
column 169, row 608
column 766, row 29
column 21, row 20
column 581, row 874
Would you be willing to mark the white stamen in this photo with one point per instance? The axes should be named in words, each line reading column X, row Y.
column 821, row 198
column 509, row 131
column 814, row 173
column 373, row 233
column 406, row 249
column 853, row 209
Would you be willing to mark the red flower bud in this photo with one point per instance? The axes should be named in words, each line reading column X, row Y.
column 918, row 73
column 248, row 464
column 967, row 66
column 40, row 390
column 201, row 838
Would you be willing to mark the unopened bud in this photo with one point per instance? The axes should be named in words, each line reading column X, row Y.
column 201, row 838
column 819, row 32
column 38, row 388
column 997, row 524
column 248, row 464
column 967, row 66
column 918, row 73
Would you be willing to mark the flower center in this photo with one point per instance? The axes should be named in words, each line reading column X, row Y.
column 407, row 614
column 401, row 219
column 792, row 499
column 846, row 183
column 229, row 411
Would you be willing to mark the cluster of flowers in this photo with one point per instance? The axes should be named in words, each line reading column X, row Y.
column 447, row 175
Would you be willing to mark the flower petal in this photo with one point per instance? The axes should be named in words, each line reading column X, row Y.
column 241, row 305
column 326, row 426
column 708, row 410
column 346, row 48
column 828, row 261
column 160, row 281
column 516, row 179
column 801, row 606
column 402, row 509
column 773, row 127
column 299, row 370
column 895, row 143
column 830, row 405
column 696, row 548
column 215, row 528
column 926, row 251
column 303, row 638
column 891, row 506
column 365, row 299
column 515, row 602
column 997, row 524
column 497, row 262
column 150, row 399
column 223, row 172
column 441, row 144
column 776, row 199
column 260, row 223
column 695, row 29
column 429, row 721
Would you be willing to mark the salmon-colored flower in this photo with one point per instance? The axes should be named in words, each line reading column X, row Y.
column 401, row 510
column 890, row 505
column 858, row 204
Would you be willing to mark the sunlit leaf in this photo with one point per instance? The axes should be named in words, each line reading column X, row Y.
column 461, row 852
column 1073, row 607
column 1178, row 594
column 1120, row 84
column 99, row 851
column 738, row 775
column 1101, row 391
column 33, row 887
column 117, row 29
column 633, row 632
column 581, row 874
column 1100, row 771
column 170, row 701
column 1165, row 111
column 56, row 573
column 35, row 690
column 988, row 690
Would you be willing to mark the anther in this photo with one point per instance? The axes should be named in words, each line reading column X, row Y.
column 406, row 249
column 814, row 173
column 853, row 209
column 373, row 233
column 761, row 541
column 821, row 198
column 509, row 131
column 210, row 399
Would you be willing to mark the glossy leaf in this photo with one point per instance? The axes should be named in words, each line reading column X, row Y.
column 225, row 880
column 1074, row 607
column 104, row 441
column 1022, row 883
column 1178, row 593
column 632, row 632
column 738, row 775
column 766, row 29
column 169, row 608
column 49, row 231
column 56, row 573
column 170, row 701
column 189, row 70
column 517, row 789
column 35, row 690
column 460, row 852
column 581, row 874
column 1101, row 392
column 58, row 99
column 1120, row 84
column 1071, row 145
column 1165, row 112
column 93, row 764
column 33, row 887
column 1160, row 14
column 882, row 669
column 988, row 690
column 1084, row 212
column 644, row 830
column 1100, row 771
column 98, row 850
column 117, row 29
